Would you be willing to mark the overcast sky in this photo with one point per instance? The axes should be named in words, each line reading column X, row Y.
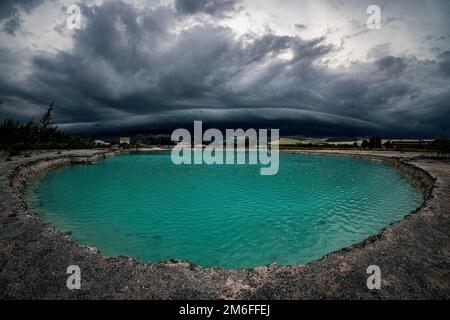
column 308, row 67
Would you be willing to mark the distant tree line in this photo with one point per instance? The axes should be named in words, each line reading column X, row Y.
column 441, row 146
column 373, row 143
column 16, row 137
column 153, row 140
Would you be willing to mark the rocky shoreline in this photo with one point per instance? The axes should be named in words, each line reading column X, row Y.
column 413, row 254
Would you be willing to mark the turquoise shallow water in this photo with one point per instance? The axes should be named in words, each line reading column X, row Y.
column 228, row 216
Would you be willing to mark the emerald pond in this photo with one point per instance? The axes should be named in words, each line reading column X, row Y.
column 229, row 216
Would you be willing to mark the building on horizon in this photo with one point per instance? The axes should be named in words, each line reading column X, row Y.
column 124, row 140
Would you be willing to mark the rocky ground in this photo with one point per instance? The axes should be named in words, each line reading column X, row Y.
column 413, row 254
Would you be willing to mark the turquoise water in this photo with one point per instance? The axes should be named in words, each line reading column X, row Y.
column 227, row 216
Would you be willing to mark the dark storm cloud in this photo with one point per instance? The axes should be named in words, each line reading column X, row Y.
column 129, row 71
column 212, row 7
column 391, row 65
column 444, row 63
column 10, row 13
